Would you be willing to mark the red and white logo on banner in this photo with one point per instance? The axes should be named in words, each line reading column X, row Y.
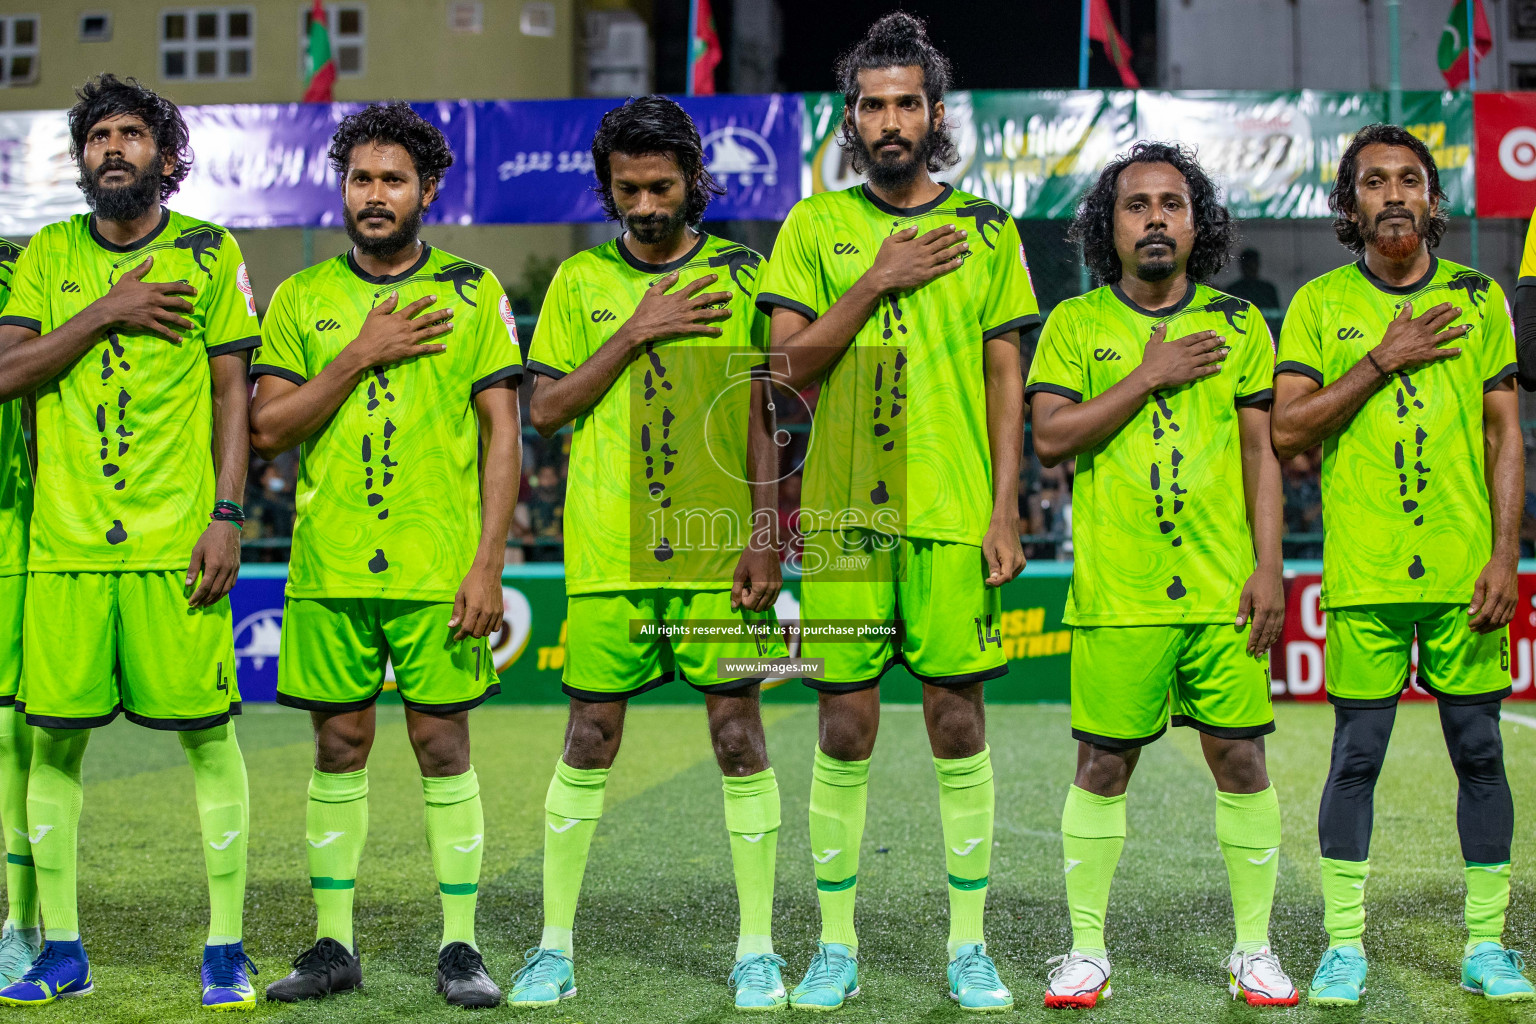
column 1506, row 153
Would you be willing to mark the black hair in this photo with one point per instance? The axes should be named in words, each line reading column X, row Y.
column 109, row 96
column 395, row 123
column 1342, row 199
column 1093, row 227
column 897, row 40
column 646, row 125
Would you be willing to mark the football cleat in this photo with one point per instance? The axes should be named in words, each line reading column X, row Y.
column 1340, row 978
column 758, row 983
column 1496, row 973
column 462, row 978
column 546, row 977
column 832, row 978
column 226, row 985
column 973, row 981
column 1078, row 981
column 320, row 970
column 1258, row 979
column 61, row 971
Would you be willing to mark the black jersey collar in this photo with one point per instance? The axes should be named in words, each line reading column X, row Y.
column 908, row 211
column 1157, row 314
column 426, row 253
column 660, row 268
column 165, row 218
column 1403, row 289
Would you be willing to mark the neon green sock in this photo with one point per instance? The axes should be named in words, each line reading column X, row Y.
column 752, row 819
column 572, row 808
column 1344, row 901
column 966, row 807
column 456, row 836
column 839, row 793
column 224, row 812
column 1248, row 831
column 336, row 827
column 1092, row 838
column 54, row 797
column 1487, row 900
column 15, row 765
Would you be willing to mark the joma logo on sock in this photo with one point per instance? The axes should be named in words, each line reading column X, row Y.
column 826, row 856
column 753, row 838
column 41, row 831
column 568, row 823
column 330, row 837
column 1261, row 861
column 229, row 837
column 473, row 843
column 970, row 844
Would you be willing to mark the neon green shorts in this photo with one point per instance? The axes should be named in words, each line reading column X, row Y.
column 613, row 652
column 96, row 643
column 933, row 592
column 334, row 652
column 1366, row 658
column 13, row 595
column 1129, row 682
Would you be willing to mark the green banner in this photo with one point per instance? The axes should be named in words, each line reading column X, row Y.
column 1274, row 153
column 530, row 650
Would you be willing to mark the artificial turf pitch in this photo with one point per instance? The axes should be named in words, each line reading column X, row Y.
column 656, row 929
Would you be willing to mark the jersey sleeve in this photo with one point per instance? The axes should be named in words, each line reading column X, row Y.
column 552, row 352
column 1301, row 342
column 1057, row 368
column 1255, row 363
column 792, row 277
column 1496, row 340
column 229, row 318
column 498, row 356
column 28, row 304
column 1528, row 257
column 282, row 343
column 1010, row 303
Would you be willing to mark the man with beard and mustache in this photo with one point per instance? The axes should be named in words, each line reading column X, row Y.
column 911, row 325
column 671, row 499
column 395, row 367
column 1400, row 365
column 1160, row 386
column 130, row 327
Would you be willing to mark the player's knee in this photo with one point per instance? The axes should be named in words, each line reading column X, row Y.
column 592, row 735
column 1239, row 768
column 1106, row 772
column 739, row 747
column 848, row 739
column 1472, row 739
column 342, row 747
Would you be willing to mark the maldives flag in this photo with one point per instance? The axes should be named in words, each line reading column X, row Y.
column 322, row 67
column 703, row 50
column 1453, row 41
column 1102, row 28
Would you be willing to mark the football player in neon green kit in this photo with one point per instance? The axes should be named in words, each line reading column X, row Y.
column 649, row 345
column 1401, row 366
column 395, row 366
column 904, row 298
column 1160, row 386
column 132, row 325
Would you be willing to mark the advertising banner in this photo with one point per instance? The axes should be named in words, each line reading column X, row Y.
column 1506, row 149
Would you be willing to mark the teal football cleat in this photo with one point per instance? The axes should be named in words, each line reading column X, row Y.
column 832, row 978
column 546, row 977
column 973, row 981
column 18, row 949
column 226, row 985
column 61, row 971
column 758, row 985
column 1340, row 978
column 1494, row 972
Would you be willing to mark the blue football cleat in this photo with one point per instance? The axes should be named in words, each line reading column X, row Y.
column 1340, row 978
column 973, row 981
column 1496, row 973
column 226, row 985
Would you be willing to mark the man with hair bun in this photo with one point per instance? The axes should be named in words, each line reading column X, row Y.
column 904, row 299
column 129, row 326
column 1159, row 386
column 395, row 367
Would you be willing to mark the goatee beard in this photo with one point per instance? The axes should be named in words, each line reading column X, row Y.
column 1395, row 247
column 380, row 248
column 128, row 201
column 1156, row 270
column 655, row 228
column 894, row 175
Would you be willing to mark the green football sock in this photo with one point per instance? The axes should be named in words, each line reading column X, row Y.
column 336, row 827
column 1092, row 838
column 1248, row 831
column 15, row 764
column 839, row 794
column 456, row 836
column 54, row 797
column 572, row 807
column 1487, row 900
column 224, row 811
column 1344, row 901
column 966, row 805
column 752, row 819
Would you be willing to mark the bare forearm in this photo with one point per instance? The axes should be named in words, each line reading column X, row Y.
column 499, row 475
column 1261, row 488
column 762, row 458
column 1005, row 434
column 1506, row 490
column 1311, row 419
column 231, row 431
column 288, row 420
column 814, row 349
column 557, row 402
column 1077, row 427
column 28, row 361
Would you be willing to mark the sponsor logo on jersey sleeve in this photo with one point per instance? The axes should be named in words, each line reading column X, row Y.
column 243, row 282
column 510, row 320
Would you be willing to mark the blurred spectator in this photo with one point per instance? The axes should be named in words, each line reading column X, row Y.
column 1049, row 512
column 1528, row 527
column 1251, row 286
column 545, row 511
column 1301, row 486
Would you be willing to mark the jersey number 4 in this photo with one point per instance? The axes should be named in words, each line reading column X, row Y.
column 987, row 634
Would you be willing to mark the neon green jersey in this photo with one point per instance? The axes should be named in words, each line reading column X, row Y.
column 389, row 493
column 657, row 494
column 1160, row 531
column 900, row 437
column 15, row 465
column 125, row 475
column 1405, row 505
